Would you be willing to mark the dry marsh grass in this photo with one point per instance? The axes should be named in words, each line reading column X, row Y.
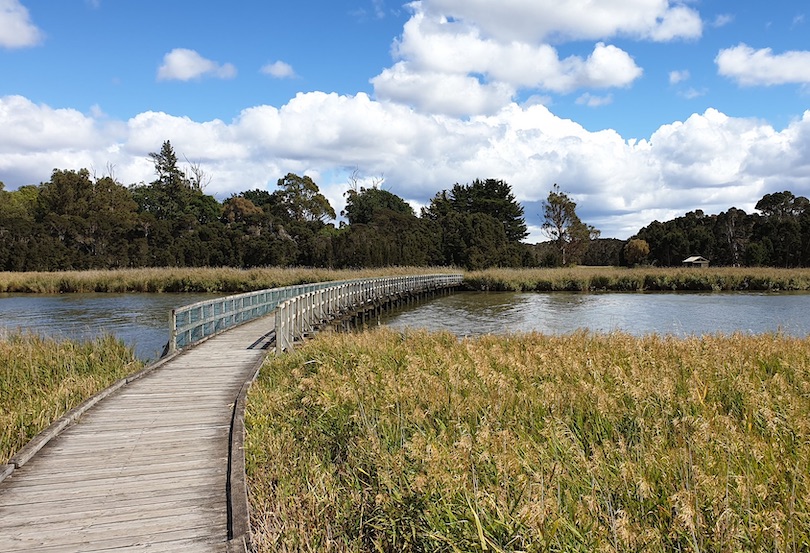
column 41, row 379
column 389, row 441
column 231, row 280
column 205, row 279
column 584, row 279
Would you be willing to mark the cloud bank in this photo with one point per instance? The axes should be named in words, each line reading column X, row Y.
column 620, row 185
column 447, row 111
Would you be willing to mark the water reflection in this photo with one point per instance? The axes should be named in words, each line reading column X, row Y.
column 680, row 314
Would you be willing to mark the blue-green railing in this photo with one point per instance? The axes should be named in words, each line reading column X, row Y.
column 192, row 323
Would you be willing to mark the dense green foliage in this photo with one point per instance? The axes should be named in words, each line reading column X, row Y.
column 363, row 205
column 777, row 236
column 481, row 225
column 78, row 222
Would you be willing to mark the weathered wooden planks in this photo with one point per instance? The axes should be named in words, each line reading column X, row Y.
column 146, row 468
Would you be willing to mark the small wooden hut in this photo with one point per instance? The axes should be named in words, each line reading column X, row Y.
column 696, row 261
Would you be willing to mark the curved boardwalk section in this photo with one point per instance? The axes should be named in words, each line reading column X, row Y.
column 148, row 467
column 144, row 470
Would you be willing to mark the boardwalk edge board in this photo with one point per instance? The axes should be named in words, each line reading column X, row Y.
column 239, row 534
column 39, row 441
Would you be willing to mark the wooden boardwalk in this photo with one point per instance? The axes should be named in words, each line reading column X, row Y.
column 147, row 468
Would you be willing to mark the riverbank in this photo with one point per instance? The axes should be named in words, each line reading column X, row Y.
column 641, row 279
column 186, row 280
column 578, row 279
column 421, row 442
column 41, row 379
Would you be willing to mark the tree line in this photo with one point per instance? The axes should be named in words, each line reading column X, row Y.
column 77, row 221
column 777, row 236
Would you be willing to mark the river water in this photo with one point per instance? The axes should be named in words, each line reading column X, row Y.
column 680, row 314
column 142, row 320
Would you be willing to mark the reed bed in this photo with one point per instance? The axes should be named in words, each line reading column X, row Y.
column 642, row 279
column 416, row 441
column 582, row 279
column 206, row 279
column 41, row 379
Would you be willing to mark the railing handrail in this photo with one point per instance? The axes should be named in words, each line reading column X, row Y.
column 192, row 323
column 296, row 316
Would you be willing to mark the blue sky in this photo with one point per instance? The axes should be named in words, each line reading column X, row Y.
column 639, row 110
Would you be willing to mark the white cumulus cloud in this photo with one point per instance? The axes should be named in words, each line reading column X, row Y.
column 449, row 67
column 676, row 77
column 434, row 92
column 709, row 161
column 16, row 28
column 593, row 101
column 279, row 70
column 552, row 20
column 751, row 67
column 182, row 64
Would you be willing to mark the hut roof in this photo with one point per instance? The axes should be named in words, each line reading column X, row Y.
column 695, row 259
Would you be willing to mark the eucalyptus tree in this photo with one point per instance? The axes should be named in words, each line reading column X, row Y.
column 363, row 204
column 302, row 201
column 563, row 226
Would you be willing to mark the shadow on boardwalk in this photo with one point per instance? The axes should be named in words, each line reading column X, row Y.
column 148, row 468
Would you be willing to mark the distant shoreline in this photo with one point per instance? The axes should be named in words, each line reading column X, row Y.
column 577, row 279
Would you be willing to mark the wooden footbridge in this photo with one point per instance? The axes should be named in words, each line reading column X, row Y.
column 155, row 462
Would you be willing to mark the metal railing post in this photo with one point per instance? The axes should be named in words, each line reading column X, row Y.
column 172, row 331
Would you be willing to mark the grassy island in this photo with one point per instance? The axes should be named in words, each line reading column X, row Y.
column 227, row 280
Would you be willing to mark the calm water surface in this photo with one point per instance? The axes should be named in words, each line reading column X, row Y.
column 140, row 320
column 681, row 314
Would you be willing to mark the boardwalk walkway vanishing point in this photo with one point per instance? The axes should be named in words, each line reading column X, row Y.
column 158, row 464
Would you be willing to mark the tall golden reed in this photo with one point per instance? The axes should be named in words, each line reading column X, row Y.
column 232, row 280
column 41, row 379
column 191, row 279
column 618, row 279
column 416, row 441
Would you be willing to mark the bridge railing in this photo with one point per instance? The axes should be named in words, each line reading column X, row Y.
column 299, row 315
column 191, row 323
